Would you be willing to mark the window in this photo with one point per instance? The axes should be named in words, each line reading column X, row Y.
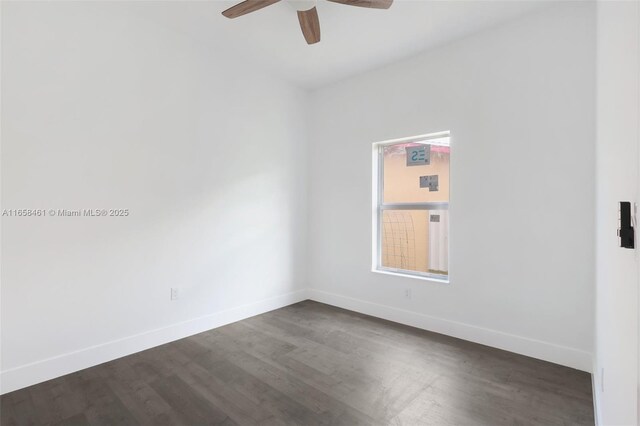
column 411, row 206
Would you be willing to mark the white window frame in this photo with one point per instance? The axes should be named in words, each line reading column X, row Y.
column 378, row 205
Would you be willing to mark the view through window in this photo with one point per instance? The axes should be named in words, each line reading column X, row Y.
column 411, row 217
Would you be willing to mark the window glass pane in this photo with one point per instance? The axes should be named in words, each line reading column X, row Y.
column 402, row 179
column 416, row 240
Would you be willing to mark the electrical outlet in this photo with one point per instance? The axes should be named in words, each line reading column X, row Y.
column 407, row 293
column 174, row 293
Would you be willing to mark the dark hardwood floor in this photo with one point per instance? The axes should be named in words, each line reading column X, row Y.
column 311, row 364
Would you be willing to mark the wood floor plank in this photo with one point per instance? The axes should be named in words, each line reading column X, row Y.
column 76, row 420
column 192, row 407
column 142, row 401
column 16, row 408
column 262, row 393
column 269, row 369
column 311, row 364
column 103, row 406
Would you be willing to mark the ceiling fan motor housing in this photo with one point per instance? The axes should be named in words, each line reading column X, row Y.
column 302, row 5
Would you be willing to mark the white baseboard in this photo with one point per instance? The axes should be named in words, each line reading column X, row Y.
column 570, row 357
column 40, row 371
column 595, row 393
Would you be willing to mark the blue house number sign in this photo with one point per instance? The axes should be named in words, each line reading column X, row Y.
column 418, row 155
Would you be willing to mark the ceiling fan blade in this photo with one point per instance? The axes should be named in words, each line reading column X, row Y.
column 247, row 6
column 372, row 4
column 310, row 25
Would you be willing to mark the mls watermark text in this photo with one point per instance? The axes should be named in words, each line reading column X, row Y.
column 65, row 213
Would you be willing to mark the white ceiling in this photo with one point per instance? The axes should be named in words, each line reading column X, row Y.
column 354, row 39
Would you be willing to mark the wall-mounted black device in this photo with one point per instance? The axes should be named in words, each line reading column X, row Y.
column 626, row 231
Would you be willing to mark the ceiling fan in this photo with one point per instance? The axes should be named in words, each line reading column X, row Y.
column 307, row 13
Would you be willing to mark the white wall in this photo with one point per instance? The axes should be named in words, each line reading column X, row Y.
column 617, row 180
column 519, row 100
column 104, row 110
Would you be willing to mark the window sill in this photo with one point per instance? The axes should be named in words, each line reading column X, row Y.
column 414, row 276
